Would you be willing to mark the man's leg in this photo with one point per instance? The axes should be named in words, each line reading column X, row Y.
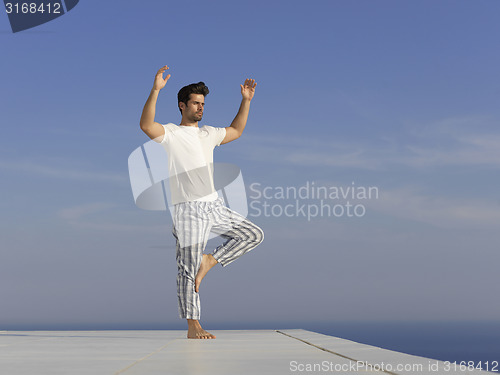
column 207, row 262
column 191, row 229
column 240, row 233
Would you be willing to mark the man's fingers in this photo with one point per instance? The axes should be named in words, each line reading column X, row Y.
column 250, row 83
column 162, row 69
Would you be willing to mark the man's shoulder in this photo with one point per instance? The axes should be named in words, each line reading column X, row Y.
column 216, row 133
column 212, row 129
column 170, row 125
column 169, row 128
column 209, row 127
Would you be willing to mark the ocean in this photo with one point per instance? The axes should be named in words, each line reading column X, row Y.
column 445, row 341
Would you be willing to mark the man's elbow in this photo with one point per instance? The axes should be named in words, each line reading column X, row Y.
column 144, row 125
column 146, row 128
column 236, row 135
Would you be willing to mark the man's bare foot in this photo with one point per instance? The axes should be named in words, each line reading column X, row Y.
column 196, row 332
column 207, row 262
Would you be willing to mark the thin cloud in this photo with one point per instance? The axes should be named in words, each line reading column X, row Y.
column 77, row 212
column 64, row 172
column 440, row 211
column 84, row 217
column 450, row 142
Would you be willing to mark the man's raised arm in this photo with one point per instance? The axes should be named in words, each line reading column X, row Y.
column 236, row 128
column 148, row 125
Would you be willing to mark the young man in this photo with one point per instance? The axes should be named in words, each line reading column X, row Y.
column 198, row 210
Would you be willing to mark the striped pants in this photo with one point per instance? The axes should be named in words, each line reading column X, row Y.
column 192, row 223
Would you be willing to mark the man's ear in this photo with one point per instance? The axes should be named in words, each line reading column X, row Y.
column 182, row 106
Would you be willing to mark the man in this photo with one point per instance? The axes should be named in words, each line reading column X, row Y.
column 198, row 210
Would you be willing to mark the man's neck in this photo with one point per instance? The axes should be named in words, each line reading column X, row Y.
column 187, row 123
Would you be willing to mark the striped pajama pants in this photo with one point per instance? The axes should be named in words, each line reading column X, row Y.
column 192, row 223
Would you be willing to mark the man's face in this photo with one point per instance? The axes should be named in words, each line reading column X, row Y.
column 193, row 111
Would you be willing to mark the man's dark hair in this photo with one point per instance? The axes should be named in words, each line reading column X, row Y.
column 194, row 88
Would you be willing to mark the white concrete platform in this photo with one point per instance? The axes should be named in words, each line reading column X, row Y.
column 232, row 352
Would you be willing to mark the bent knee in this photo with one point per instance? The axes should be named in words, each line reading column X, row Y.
column 259, row 235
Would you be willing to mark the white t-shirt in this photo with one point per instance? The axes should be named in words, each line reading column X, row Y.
column 190, row 161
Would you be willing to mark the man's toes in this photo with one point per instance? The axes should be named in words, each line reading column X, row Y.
column 207, row 335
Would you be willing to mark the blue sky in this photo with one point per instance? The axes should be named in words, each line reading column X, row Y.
column 398, row 95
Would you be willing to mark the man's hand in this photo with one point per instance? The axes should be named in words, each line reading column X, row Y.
column 236, row 128
column 159, row 81
column 153, row 129
column 248, row 89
